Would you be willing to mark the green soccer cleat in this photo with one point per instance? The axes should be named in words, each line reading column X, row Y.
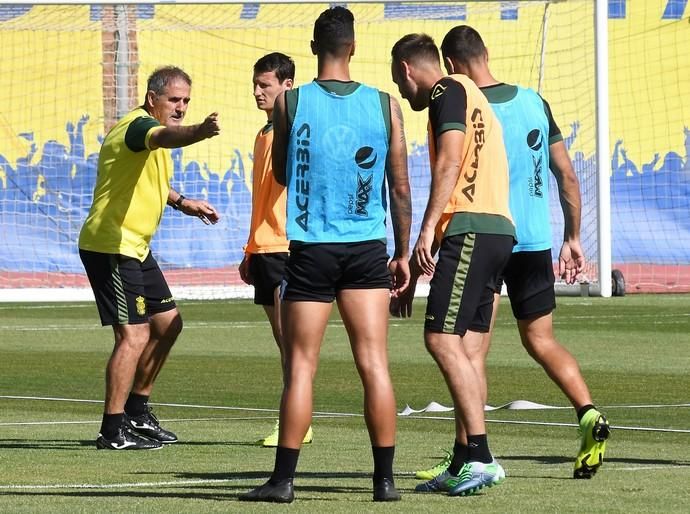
column 272, row 440
column 309, row 436
column 428, row 474
column 475, row 476
column 594, row 431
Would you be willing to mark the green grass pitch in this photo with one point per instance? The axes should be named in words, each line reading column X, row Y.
column 634, row 353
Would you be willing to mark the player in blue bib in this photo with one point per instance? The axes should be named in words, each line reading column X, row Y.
column 339, row 147
column 336, row 166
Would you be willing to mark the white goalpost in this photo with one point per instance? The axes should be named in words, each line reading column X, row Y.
column 70, row 69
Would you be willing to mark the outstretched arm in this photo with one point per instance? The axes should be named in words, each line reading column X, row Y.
column 571, row 260
column 400, row 200
column 175, row 137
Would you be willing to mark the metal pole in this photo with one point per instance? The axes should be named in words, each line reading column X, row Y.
column 121, row 62
column 603, row 161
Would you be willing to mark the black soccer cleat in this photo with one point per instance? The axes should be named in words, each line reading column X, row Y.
column 278, row 492
column 147, row 425
column 385, row 491
column 126, row 440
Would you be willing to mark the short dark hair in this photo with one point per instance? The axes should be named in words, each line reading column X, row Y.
column 415, row 47
column 160, row 78
column 463, row 44
column 282, row 65
column 334, row 29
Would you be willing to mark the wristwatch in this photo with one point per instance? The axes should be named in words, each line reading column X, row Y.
column 178, row 203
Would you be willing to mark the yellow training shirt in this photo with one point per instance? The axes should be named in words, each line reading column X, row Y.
column 131, row 191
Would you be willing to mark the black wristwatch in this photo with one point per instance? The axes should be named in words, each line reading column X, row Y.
column 178, row 203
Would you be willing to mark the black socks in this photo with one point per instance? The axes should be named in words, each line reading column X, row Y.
column 460, row 453
column 111, row 424
column 584, row 410
column 286, row 464
column 383, row 462
column 137, row 404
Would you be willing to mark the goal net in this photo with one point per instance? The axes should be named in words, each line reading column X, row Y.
column 69, row 71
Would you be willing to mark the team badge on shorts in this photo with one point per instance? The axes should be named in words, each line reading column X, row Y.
column 141, row 305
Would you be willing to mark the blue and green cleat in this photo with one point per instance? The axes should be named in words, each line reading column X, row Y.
column 442, row 483
column 475, row 476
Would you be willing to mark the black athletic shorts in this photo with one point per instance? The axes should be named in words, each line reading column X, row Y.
column 267, row 270
column 529, row 280
column 462, row 289
column 127, row 291
column 316, row 272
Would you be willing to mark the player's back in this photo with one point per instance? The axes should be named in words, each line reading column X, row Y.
column 525, row 123
column 337, row 152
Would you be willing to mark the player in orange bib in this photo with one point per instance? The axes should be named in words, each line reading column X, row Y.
column 468, row 219
column 266, row 251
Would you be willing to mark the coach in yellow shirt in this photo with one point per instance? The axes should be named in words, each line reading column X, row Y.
column 131, row 192
column 468, row 218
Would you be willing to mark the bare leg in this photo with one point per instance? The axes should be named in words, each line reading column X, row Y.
column 462, row 380
column 130, row 341
column 164, row 329
column 477, row 348
column 304, row 324
column 273, row 315
column 538, row 339
column 365, row 314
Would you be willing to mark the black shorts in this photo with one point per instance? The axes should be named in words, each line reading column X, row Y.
column 529, row 280
column 316, row 272
column 127, row 291
column 462, row 289
column 267, row 271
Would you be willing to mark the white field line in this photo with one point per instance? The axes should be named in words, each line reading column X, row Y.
column 185, row 405
column 256, row 409
column 127, row 485
column 167, row 420
column 555, row 424
column 340, row 414
column 42, row 307
column 222, row 325
column 653, row 467
column 670, row 318
column 176, row 483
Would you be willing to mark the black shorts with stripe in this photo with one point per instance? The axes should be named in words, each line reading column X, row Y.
column 317, row 272
column 127, row 291
column 267, row 271
column 462, row 288
column 529, row 280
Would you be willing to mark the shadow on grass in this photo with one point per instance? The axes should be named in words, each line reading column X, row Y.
column 336, row 475
column 301, row 493
column 555, row 459
column 223, row 487
column 71, row 444
column 125, row 494
column 45, row 444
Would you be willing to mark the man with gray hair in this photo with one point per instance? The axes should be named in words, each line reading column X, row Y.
column 131, row 192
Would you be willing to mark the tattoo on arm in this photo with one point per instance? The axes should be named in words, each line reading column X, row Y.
column 399, row 188
column 397, row 112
